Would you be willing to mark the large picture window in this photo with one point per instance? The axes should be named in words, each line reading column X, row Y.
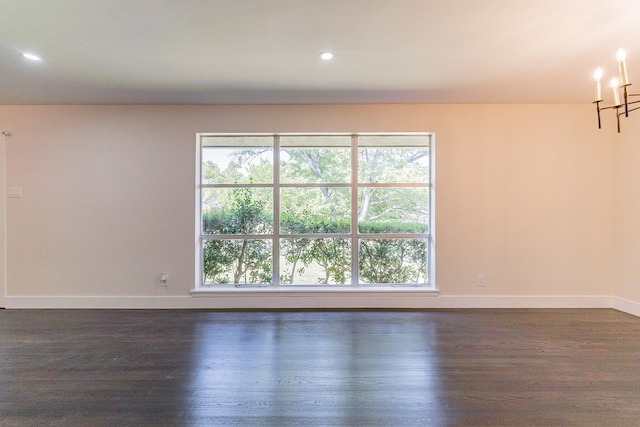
column 315, row 210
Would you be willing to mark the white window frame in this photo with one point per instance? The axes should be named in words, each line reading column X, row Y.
column 354, row 235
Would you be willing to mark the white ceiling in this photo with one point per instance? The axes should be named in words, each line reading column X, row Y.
column 266, row 51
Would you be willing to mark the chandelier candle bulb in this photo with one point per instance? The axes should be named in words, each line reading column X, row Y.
column 616, row 95
column 597, row 76
column 621, row 56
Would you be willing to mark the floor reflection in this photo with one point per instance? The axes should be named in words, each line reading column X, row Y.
column 341, row 368
column 358, row 368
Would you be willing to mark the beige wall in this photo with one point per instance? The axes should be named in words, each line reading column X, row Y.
column 627, row 213
column 524, row 194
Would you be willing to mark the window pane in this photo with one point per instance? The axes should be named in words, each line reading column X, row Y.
column 399, row 140
column 393, row 210
column 315, row 210
column 315, row 141
column 392, row 165
column 237, row 165
column 315, row 165
column 237, row 140
column 237, row 210
column 237, row 261
column 315, row 261
column 393, row 261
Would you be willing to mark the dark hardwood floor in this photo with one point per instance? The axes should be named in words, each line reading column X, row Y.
column 328, row 368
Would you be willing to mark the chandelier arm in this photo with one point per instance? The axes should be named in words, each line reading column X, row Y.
column 633, row 109
column 625, row 112
column 609, row 107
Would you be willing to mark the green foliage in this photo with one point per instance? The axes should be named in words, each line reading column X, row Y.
column 306, row 223
column 243, row 214
column 381, row 227
column 218, row 256
column 247, row 216
column 332, row 254
column 381, row 260
column 316, row 165
column 242, row 260
column 393, row 165
column 237, row 260
column 392, row 261
column 240, row 166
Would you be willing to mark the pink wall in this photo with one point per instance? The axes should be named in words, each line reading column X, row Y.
column 524, row 194
column 627, row 203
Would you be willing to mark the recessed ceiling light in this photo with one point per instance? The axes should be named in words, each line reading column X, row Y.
column 327, row 56
column 31, row 57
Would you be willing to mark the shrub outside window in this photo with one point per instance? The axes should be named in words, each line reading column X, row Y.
column 315, row 210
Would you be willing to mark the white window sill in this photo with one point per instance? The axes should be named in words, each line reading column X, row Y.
column 306, row 290
column 314, row 297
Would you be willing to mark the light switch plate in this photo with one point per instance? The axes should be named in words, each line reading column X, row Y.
column 15, row 192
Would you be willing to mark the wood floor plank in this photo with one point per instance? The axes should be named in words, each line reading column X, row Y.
column 319, row 368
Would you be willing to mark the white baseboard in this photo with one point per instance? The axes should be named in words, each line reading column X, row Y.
column 255, row 299
column 625, row 305
column 525, row 301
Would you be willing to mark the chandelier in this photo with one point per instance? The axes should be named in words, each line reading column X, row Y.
column 623, row 83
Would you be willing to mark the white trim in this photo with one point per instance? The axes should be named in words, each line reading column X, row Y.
column 3, row 212
column 626, row 306
column 198, row 212
column 253, row 298
column 432, row 213
column 526, row 301
column 209, row 140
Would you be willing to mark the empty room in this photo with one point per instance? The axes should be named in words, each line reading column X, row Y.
column 319, row 213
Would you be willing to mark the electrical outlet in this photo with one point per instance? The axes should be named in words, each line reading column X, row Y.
column 480, row 279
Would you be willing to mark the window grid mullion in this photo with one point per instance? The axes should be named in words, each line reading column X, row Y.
column 316, row 185
column 355, row 248
column 200, row 232
column 236, row 185
column 208, row 237
column 276, row 212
